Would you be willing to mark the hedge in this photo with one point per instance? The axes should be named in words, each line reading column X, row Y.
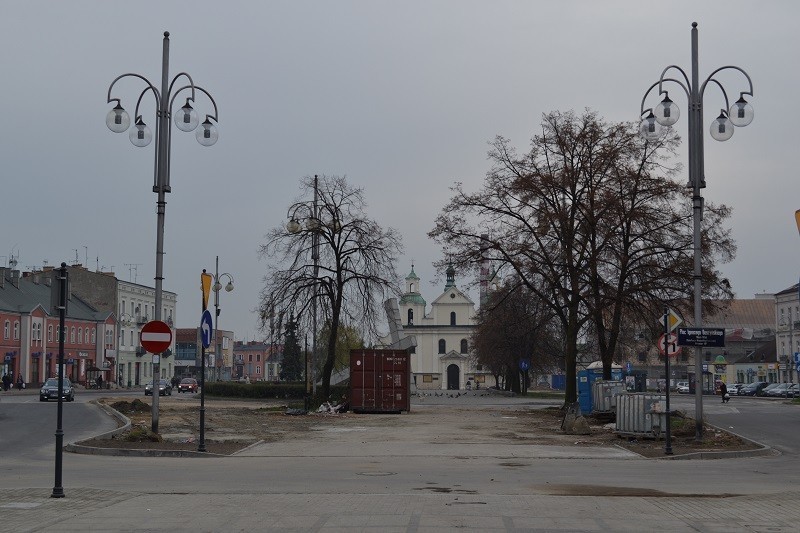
column 269, row 390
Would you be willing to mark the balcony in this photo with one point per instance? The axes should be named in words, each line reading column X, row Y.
column 141, row 319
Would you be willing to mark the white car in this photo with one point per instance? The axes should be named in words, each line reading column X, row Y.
column 682, row 387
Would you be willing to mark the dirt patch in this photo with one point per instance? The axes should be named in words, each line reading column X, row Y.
column 233, row 425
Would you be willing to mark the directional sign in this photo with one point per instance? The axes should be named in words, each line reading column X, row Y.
column 156, row 336
column 673, row 320
column 669, row 345
column 206, row 328
column 714, row 337
column 524, row 364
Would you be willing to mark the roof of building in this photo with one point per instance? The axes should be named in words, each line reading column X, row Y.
column 23, row 295
column 753, row 313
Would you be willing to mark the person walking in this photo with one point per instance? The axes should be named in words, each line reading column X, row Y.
column 6, row 382
column 20, row 382
column 723, row 390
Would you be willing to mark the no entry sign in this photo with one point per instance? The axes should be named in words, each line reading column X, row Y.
column 156, row 336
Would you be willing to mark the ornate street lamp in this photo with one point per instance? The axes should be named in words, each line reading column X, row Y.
column 665, row 114
column 140, row 135
column 313, row 225
column 216, row 287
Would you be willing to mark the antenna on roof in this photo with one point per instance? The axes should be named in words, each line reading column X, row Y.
column 132, row 270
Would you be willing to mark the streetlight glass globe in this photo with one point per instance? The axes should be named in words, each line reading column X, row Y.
column 721, row 128
column 186, row 117
column 118, row 119
column 666, row 112
column 140, row 134
column 229, row 286
column 741, row 113
column 207, row 135
column 312, row 224
column 293, row 226
column 650, row 129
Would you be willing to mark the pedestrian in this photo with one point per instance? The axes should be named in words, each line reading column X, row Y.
column 20, row 382
column 99, row 381
column 6, row 382
column 723, row 390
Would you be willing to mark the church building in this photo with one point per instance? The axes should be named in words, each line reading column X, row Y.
column 442, row 358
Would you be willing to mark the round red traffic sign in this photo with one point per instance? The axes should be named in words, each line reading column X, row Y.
column 669, row 345
column 156, row 336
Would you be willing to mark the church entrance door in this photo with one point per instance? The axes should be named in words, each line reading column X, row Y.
column 452, row 377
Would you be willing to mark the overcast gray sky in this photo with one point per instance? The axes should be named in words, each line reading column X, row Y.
column 402, row 97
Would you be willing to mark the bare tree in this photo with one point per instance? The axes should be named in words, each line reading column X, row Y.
column 352, row 273
column 566, row 220
column 511, row 326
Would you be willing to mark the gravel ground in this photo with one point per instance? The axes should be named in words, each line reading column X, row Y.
column 231, row 425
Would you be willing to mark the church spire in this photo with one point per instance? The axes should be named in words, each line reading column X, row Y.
column 451, row 276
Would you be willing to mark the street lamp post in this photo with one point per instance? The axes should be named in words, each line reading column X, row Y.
column 314, row 225
column 666, row 113
column 217, row 287
column 788, row 359
column 187, row 120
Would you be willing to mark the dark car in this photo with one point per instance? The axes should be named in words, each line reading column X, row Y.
column 187, row 385
column 753, row 389
column 49, row 390
column 164, row 388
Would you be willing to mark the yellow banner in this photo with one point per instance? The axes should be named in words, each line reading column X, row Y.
column 205, row 284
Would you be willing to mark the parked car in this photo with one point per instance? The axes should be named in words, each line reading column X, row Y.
column 777, row 392
column 682, row 387
column 164, row 388
column 187, row 385
column 753, row 389
column 733, row 388
column 49, row 390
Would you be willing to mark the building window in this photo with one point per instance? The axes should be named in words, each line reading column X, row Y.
column 463, row 345
column 94, row 336
column 72, row 335
column 50, row 333
column 80, row 335
column 6, row 329
column 132, row 339
column 452, row 318
column 442, row 346
column 250, row 358
column 410, row 317
column 258, row 370
column 16, row 330
column 258, row 358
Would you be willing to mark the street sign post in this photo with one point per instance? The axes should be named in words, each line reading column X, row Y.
column 156, row 336
column 713, row 337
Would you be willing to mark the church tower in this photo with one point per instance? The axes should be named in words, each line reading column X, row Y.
column 412, row 304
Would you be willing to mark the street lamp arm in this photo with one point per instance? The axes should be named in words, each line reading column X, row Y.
column 661, row 91
column 662, row 79
column 172, row 84
column 133, row 74
column 734, row 67
column 721, row 88
column 136, row 114
column 193, row 88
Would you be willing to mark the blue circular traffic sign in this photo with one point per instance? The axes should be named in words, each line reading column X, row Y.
column 206, row 328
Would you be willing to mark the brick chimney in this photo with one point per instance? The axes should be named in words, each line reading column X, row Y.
column 15, row 278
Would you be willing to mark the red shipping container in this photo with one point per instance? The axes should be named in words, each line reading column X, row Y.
column 380, row 381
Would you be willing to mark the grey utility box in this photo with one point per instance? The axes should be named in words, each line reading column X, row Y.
column 641, row 413
column 604, row 395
